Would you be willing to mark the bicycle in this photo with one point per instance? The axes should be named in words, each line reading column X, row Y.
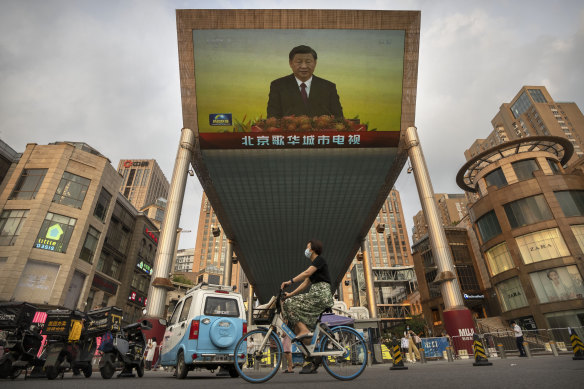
column 341, row 350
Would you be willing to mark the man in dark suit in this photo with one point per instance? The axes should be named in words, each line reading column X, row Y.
column 301, row 93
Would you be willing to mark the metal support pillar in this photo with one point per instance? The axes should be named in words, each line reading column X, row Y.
column 228, row 264
column 457, row 318
column 249, row 304
column 372, row 304
column 166, row 243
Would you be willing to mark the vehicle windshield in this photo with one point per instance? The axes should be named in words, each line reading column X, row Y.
column 220, row 306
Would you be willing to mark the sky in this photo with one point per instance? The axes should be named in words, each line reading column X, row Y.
column 106, row 73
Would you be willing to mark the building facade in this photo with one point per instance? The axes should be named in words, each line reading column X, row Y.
column 8, row 157
column 143, row 182
column 530, row 223
column 185, row 259
column 533, row 112
column 452, row 208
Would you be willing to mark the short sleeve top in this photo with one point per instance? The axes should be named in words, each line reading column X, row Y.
column 322, row 272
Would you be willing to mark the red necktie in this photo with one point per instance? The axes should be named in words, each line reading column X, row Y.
column 303, row 93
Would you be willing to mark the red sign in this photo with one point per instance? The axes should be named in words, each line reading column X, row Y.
column 151, row 235
column 127, row 164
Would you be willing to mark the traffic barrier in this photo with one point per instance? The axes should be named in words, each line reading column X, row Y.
column 449, row 354
column 501, row 350
column 577, row 346
column 527, row 349
column 422, row 356
column 479, row 352
column 554, row 348
column 398, row 361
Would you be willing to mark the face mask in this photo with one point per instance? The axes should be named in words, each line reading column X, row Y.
column 408, row 328
column 307, row 253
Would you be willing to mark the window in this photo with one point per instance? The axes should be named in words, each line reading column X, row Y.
column 11, row 222
column 527, row 211
column 174, row 318
column 216, row 306
column 102, row 205
column 488, row 226
column 109, row 264
column 499, row 259
column 497, row 178
column 71, row 190
column 557, row 284
column 90, row 244
column 511, row 295
column 571, row 201
column 578, row 231
column 524, row 169
column 186, row 308
column 542, row 245
column 28, row 184
column 554, row 166
column 55, row 233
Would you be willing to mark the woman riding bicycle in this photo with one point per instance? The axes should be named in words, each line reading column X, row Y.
column 302, row 311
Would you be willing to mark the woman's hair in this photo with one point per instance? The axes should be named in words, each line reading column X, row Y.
column 316, row 246
column 550, row 272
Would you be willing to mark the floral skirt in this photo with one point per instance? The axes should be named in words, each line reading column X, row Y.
column 306, row 307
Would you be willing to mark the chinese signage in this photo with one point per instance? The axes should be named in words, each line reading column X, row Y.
column 151, row 235
column 105, row 285
column 128, row 164
column 138, row 298
column 146, row 268
column 354, row 96
column 52, row 239
column 434, row 347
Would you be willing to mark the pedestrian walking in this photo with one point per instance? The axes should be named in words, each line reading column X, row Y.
column 404, row 346
column 150, row 351
column 518, row 338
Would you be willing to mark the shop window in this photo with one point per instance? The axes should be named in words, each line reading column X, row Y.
column 557, row 284
column 524, row 169
column 102, row 205
column 526, row 211
column 488, row 226
column 28, row 184
column 90, row 244
column 542, row 245
column 71, row 190
column 573, row 319
column 554, row 166
column 11, row 222
column 571, row 201
column 511, row 295
column 55, row 233
column 497, row 178
column 499, row 259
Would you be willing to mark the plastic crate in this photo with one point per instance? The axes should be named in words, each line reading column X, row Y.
column 16, row 315
column 104, row 319
column 64, row 323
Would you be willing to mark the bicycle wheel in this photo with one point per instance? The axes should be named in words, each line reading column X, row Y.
column 354, row 359
column 255, row 363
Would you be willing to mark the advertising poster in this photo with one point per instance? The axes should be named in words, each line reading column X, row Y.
column 249, row 92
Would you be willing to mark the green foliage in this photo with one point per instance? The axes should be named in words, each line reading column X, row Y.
column 182, row 280
column 416, row 324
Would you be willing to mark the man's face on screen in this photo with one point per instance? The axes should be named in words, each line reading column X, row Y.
column 302, row 66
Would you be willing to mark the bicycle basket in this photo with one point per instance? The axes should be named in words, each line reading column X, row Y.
column 264, row 314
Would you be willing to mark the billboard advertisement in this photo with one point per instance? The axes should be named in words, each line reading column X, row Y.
column 298, row 88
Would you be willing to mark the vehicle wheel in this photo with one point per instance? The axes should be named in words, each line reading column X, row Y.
column 87, row 371
column 52, row 372
column 140, row 369
column 354, row 359
column 181, row 367
column 15, row 373
column 5, row 366
column 259, row 365
column 108, row 369
column 233, row 372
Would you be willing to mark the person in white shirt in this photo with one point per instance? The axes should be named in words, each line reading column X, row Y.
column 518, row 338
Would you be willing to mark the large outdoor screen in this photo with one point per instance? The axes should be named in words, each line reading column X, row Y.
column 249, row 91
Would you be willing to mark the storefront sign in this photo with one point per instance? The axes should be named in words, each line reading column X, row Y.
column 146, row 268
column 128, row 164
column 107, row 286
column 151, row 235
column 473, row 296
column 138, row 298
column 52, row 239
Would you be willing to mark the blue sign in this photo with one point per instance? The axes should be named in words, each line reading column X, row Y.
column 434, row 347
column 220, row 119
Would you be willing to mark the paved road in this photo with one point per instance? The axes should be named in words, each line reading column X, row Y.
column 540, row 372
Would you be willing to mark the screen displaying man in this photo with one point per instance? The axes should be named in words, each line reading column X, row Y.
column 302, row 93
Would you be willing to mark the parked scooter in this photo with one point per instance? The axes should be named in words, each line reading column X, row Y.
column 68, row 346
column 22, row 340
column 124, row 350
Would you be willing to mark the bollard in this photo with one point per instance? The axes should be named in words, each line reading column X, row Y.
column 554, row 348
column 449, row 354
column 527, row 350
column 369, row 361
column 501, row 351
column 577, row 345
column 396, row 358
column 479, row 352
column 422, row 356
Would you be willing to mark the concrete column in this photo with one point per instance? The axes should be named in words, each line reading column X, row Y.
column 166, row 243
column 368, row 280
column 228, row 263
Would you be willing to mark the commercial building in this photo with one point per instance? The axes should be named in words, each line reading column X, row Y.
column 452, row 208
column 68, row 238
column 533, row 112
column 529, row 219
column 143, row 181
column 7, row 158
column 185, row 259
